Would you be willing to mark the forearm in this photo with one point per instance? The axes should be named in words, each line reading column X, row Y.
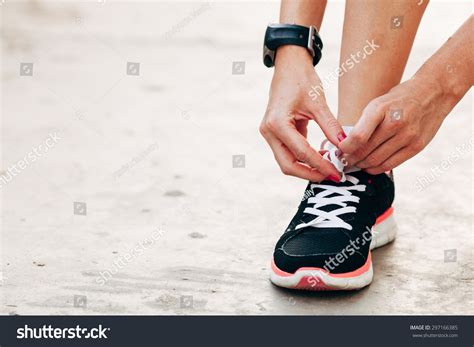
column 450, row 71
column 300, row 12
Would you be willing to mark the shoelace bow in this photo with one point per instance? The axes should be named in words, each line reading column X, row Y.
column 341, row 196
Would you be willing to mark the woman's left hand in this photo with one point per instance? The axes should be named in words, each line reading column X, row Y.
column 396, row 126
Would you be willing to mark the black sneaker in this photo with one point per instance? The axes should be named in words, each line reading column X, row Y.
column 327, row 244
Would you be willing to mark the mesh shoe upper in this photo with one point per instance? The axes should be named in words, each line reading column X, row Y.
column 337, row 243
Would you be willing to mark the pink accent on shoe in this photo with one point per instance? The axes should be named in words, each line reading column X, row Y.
column 279, row 272
column 309, row 283
column 316, row 283
column 384, row 215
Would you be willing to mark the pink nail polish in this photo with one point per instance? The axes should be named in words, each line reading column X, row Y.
column 341, row 136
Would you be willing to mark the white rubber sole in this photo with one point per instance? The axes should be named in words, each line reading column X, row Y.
column 320, row 279
column 317, row 280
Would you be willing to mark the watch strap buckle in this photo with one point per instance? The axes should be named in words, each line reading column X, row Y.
column 311, row 37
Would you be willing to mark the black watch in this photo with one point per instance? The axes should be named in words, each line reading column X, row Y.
column 291, row 34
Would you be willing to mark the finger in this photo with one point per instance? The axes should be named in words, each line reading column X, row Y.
column 383, row 152
column 329, row 125
column 302, row 127
column 371, row 117
column 302, row 151
column 289, row 164
column 382, row 134
column 399, row 157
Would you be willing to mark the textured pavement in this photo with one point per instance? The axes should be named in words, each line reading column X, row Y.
column 156, row 194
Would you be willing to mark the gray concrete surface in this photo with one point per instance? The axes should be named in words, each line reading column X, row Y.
column 151, row 157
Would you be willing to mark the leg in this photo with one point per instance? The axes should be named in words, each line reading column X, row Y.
column 377, row 39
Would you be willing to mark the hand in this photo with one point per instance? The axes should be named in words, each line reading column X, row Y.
column 396, row 126
column 289, row 110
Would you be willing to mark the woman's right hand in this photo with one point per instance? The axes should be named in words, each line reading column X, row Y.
column 297, row 97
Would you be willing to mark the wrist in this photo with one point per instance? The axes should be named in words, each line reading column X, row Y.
column 427, row 87
column 434, row 92
column 292, row 55
column 446, row 81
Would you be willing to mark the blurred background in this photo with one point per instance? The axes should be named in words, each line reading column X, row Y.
column 134, row 180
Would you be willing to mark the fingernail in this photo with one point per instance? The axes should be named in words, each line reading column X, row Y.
column 334, row 178
column 341, row 136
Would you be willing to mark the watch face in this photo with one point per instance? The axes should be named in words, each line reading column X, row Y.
column 268, row 56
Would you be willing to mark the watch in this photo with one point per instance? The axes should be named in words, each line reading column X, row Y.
column 291, row 34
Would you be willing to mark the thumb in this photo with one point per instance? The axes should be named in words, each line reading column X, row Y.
column 371, row 117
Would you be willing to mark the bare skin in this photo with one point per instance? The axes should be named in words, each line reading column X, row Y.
column 392, row 25
column 290, row 108
column 396, row 126
column 392, row 122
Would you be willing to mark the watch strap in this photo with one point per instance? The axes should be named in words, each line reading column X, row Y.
column 291, row 34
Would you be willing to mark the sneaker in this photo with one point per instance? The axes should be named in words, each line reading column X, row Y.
column 327, row 243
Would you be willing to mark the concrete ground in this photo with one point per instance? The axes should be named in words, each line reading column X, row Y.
column 135, row 207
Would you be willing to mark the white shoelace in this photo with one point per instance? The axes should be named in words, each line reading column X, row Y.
column 342, row 195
